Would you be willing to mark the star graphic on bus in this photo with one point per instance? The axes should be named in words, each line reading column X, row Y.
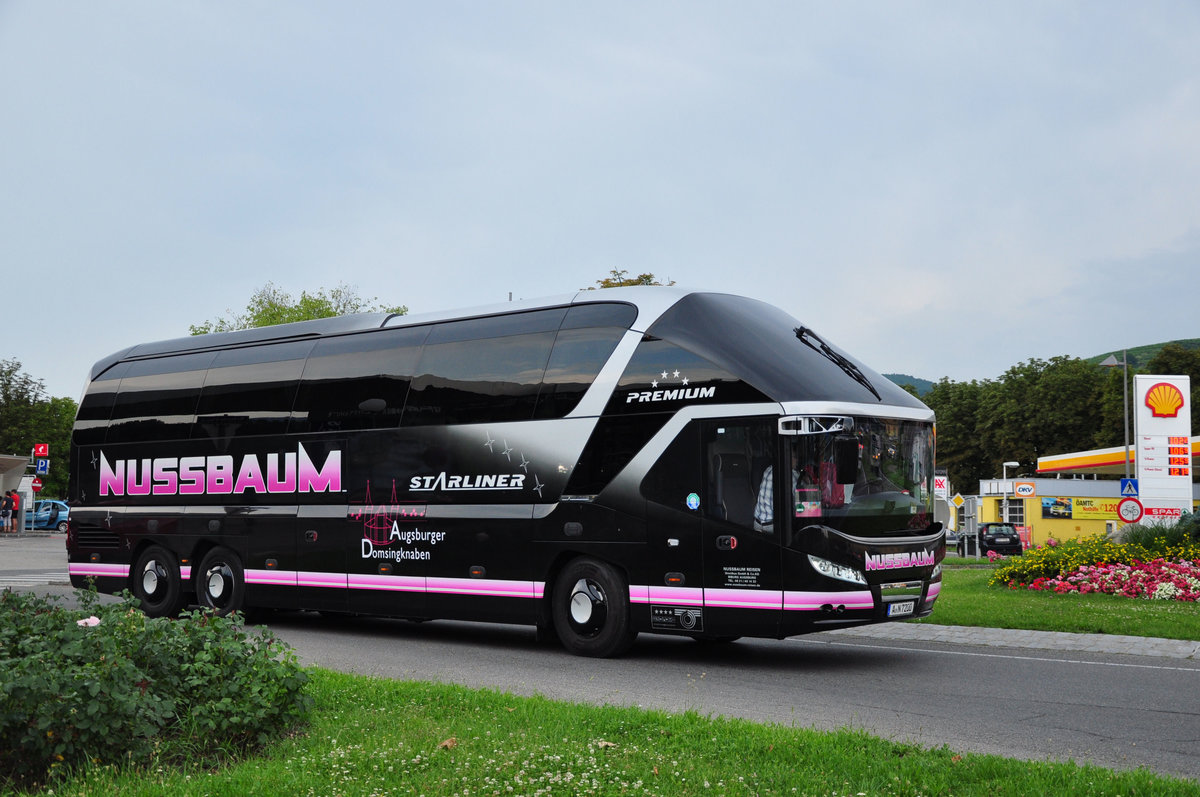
column 666, row 376
column 507, row 451
column 489, row 441
column 524, row 464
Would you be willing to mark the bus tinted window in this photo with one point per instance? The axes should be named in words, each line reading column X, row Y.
column 676, row 474
column 157, row 398
column 498, row 326
column 478, row 381
column 91, row 421
column 358, row 381
column 578, row 356
column 600, row 315
column 613, row 443
column 250, row 391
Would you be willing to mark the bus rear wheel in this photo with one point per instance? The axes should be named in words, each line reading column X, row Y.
column 590, row 606
column 156, row 582
column 221, row 582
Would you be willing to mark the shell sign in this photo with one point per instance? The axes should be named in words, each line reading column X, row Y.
column 1164, row 400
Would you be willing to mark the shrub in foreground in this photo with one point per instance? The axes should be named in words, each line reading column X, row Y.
column 107, row 685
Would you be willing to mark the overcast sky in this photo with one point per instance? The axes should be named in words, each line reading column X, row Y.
column 942, row 189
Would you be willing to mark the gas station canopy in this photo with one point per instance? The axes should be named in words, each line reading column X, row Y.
column 1101, row 461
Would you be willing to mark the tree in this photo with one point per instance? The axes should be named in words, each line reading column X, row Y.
column 29, row 416
column 1174, row 360
column 618, row 279
column 1040, row 408
column 271, row 305
column 1034, row 409
column 958, row 448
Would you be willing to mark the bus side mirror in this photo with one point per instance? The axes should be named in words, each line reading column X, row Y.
column 845, row 458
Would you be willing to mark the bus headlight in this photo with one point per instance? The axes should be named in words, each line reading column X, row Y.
column 937, row 572
column 840, row 572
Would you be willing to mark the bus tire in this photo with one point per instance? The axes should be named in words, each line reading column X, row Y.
column 156, row 582
column 221, row 582
column 590, row 606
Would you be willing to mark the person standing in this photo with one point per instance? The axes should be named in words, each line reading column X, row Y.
column 15, row 513
column 6, row 505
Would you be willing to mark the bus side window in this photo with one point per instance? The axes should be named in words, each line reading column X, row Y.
column 358, row 381
column 577, row 357
column 483, row 370
column 250, row 391
column 157, row 398
column 91, row 421
column 676, row 475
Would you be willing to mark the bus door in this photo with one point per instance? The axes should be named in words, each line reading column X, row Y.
column 323, row 541
column 743, row 589
column 271, row 558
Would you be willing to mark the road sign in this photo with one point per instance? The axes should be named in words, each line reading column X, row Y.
column 36, row 485
column 1129, row 488
column 41, row 449
column 43, row 467
column 958, row 500
column 1130, row 510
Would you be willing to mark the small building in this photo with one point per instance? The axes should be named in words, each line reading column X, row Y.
column 1079, row 499
column 1062, row 508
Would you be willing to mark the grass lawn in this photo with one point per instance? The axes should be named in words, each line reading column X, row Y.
column 372, row 737
column 966, row 599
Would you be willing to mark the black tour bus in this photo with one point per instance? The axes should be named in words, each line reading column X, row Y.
column 609, row 463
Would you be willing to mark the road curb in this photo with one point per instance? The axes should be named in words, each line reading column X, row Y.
column 1038, row 640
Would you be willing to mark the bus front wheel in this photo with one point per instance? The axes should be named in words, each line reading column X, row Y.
column 591, row 609
column 156, row 582
column 221, row 582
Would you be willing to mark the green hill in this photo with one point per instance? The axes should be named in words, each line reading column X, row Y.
column 922, row 385
column 1140, row 355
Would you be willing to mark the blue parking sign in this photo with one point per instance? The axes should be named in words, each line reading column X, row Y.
column 43, row 467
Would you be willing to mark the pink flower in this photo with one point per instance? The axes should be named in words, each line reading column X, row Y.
column 89, row 621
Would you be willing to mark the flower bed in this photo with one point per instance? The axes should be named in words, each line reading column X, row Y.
column 1159, row 568
column 1156, row 580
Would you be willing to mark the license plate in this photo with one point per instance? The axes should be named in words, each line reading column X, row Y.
column 901, row 608
column 1002, row 540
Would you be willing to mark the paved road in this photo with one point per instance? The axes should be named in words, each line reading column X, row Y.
column 32, row 559
column 1119, row 702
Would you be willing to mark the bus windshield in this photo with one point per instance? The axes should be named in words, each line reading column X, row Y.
column 861, row 476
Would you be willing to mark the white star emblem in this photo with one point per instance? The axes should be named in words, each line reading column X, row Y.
column 664, row 374
column 489, row 441
column 524, row 464
column 653, row 383
column 685, row 381
column 507, row 450
column 537, row 486
column 676, row 374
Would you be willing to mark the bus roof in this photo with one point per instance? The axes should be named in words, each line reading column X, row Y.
column 650, row 301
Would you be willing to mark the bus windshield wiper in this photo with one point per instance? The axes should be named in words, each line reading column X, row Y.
column 804, row 334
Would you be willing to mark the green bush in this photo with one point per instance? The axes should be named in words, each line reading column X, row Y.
column 107, row 685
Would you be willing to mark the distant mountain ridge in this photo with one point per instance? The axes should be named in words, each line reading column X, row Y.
column 922, row 385
column 1139, row 356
